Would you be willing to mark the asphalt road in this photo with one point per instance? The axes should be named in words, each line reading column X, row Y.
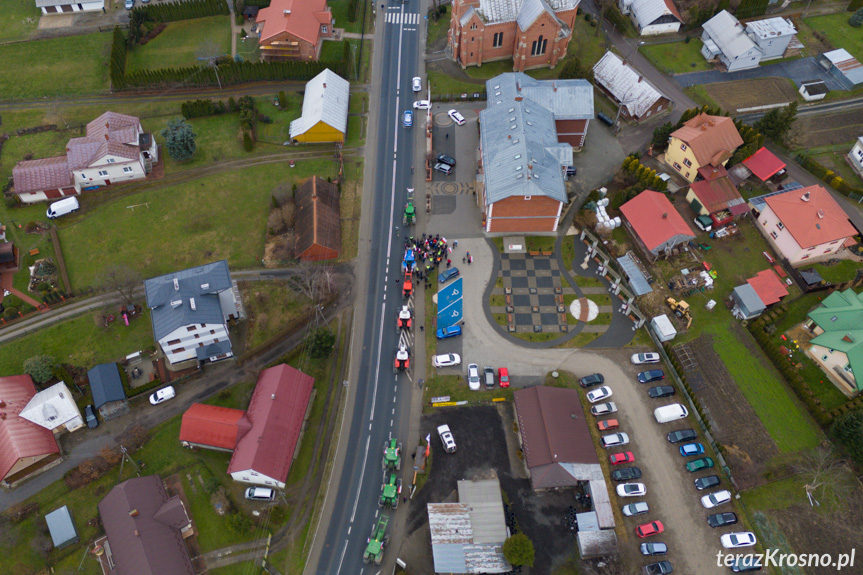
column 381, row 400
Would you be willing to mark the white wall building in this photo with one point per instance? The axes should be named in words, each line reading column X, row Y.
column 652, row 17
column 68, row 6
column 855, row 156
column 771, row 35
column 54, row 409
column 724, row 38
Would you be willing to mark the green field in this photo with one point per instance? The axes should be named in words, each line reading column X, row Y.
column 340, row 15
column 677, row 57
column 61, row 67
column 839, row 32
column 181, row 43
column 18, row 19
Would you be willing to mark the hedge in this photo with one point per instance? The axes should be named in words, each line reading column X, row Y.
column 185, row 10
column 829, row 177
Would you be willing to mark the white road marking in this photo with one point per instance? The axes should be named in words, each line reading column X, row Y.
column 345, row 548
column 362, row 473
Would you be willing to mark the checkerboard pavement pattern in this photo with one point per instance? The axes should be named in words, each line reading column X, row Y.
column 533, row 293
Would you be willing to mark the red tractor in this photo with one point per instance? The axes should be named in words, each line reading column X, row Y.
column 403, row 359
column 408, row 286
column 405, row 320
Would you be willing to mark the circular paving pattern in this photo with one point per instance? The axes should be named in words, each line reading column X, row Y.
column 592, row 310
column 442, row 119
column 450, row 188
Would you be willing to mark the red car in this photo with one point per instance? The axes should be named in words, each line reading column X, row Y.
column 617, row 458
column 503, row 376
column 608, row 424
column 648, row 529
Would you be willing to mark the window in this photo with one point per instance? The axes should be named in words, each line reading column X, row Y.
column 128, row 170
column 683, row 147
column 659, row 108
column 212, row 331
column 836, row 242
column 103, row 173
column 676, row 166
column 473, row 26
column 498, row 40
column 774, row 235
column 687, row 163
column 190, row 328
column 823, row 358
column 197, row 336
column 810, row 249
column 847, row 368
column 174, row 342
column 687, row 174
column 323, row 29
column 527, row 197
column 203, row 325
column 538, row 47
column 828, row 250
column 110, row 160
column 780, row 226
column 805, row 257
column 179, row 349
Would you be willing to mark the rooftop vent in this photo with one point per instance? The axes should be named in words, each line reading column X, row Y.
column 192, row 303
column 511, row 110
column 286, row 11
column 176, row 284
column 2, row 403
column 665, row 216
column 848, row 338
column 805, row 197
column 205, row 286
column 821, row 214
column 133, row 513
column 176, row 303
column 273, row 397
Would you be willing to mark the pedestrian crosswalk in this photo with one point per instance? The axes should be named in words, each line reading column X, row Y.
column 411, row 19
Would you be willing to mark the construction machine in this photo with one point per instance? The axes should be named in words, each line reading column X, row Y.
column 403, row 359
column 391, row 488
column 392, row 455
column 377, row 541
column 405, row 319
column 680, row 309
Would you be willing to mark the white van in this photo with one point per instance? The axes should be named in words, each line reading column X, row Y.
column 671, row 412
column 260, row 494
column 63, row 207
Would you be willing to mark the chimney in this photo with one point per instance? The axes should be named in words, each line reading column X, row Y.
column 192, row 303
column 640, row 78
column 137, row 534
column 2, row 415
column 106, row 137
column 703, row 127
column 554, row 87
column 821, row 214
column 325, row 85
column 133, row 513
column 805, row 197
column 665, row 216
column 273, row 397
column 176, row 284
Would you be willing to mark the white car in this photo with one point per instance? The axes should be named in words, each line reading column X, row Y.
column 163, row 395
column 614, row 440
column 716, row 499
column 473, row 377
column 456, row 117
column 631, row 489
column 446, row 438
column 130, row 4
column 422, row 104
column 740, row 539
column 599, row 394
column 417, row 84
column 446, row 360
column 642, row 358
column 603, row 408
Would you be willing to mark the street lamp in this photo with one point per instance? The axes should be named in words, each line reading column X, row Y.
column 637, row 46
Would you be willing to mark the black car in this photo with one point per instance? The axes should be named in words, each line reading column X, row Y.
column 661, row 568
column 626, row 474
column 591, row 380
column 651, row 375
column 681, row 436
column 721, row 519
column 444, row 159
column 746, row 563
column 605, row 119
column 90, row 416
column 706, row 482
column 447, row 275
column 660, row 391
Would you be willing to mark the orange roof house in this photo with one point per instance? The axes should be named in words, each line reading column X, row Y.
column 213, row 427
column 294, row 29
column 318, row 225
column 701, row 141
column 655, row 224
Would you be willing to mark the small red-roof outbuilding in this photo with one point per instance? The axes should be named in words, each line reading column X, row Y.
column 768, row 286
column 213, row 426
column 764, row 164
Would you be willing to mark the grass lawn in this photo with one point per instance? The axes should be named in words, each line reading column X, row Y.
column 279, row 131
column 677, row 57
column 700, row 95
column 839, row 32
column 188, row 224
column 585, row 282
column 437, row 29
column 181, row 43
column 340, row 16
column 845, row 270
column 836, row 161
column 350, row 203
column 81, row 62
column 271, row 306
column 18, row 19
column 444, row 85
column 79, row 341
column 539, row 243
column 581, row 340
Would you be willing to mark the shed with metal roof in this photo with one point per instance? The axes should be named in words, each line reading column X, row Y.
column 61, row 527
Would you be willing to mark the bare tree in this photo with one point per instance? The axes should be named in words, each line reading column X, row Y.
column 210, row 51
column 825, row 477
column 602, row 6
column 122, row 279
column 314, row 280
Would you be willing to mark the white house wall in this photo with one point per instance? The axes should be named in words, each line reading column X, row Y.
column 657, row 29
column 121, row 170
column 82, row 6
column 255, row 478
column 184, row 343
column 785, row 243
column 856, row 157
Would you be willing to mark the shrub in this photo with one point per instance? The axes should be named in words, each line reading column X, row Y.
column 240, row 524
column 39, row 367
column 283, row 99
column 248, row 145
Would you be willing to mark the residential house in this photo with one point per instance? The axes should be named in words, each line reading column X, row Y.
column 836, row 347
column 652, row 17
column 637, row 98
column 61, row 527
column 109, row 397
column 527, row 135
column 855, row 156
column 69, row 6
column 145, row 530
column 757, row 294
column 8, row 256
column 468, row 536
column 726, row 40
column 805, row 225
column 654, row 223
column 213, row 427
column 318, row 221
column 55, row 409
column 813, row 90
column 702, row 141
column 764, row 165
column 190, row 310
column 772, row 36
column 843, row 67
column 325, row 110
column 25, row 447
column 115, row 148
column 293, row 29
column 269, row 437
column 534, row 33
column 716, row 196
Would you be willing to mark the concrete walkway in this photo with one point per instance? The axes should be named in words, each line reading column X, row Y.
column 6, row 284
column 234, row 30
column 799, row 71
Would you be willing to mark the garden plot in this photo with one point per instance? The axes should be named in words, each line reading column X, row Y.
column 734, row 96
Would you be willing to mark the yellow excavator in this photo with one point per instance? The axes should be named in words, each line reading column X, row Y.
column 680, row 309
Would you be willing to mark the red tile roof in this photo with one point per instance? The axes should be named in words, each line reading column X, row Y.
column 768, row 286
column 763, row 164
column 318, row 223
column 654, row 219
column 20, row 438
column 717, row 194
column 43, row 174
column 300, row 18
column 811, row 222
column 670, row 5
column 276, row 414
column 712, row 139
column 211, row 425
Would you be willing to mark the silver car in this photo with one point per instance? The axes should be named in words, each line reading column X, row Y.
column 473, row 377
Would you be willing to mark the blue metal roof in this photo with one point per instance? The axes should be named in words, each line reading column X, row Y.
column 633, row 273
column 61, row 527
column 105, row 384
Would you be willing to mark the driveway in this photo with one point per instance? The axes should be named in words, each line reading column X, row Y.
column 799, row 71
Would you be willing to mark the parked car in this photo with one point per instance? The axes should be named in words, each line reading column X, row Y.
column 163, row 395
column 642, row 358
column 614, row 440
column 618, row 458
column 62, row 207
column 661, row 568
column 599, row 394
column 90, row 417
column 604, row 408
column 651, row 375
column 607, row 424
column 446, row 438
column 699, row 464
column 746, row 564
column 632, row 509
column 447, row 275
column 130, row 4
column 721, row 519
column 681, row 435
column 704, row 223
column 443, row 158
column 417, row 84
column 737, row 540
column 473, row 377
column 591, row 380
column 649, row 529
column 443, row 168
column 446, row 360
column 707, row 482
column 456, row 117
column 503, row 376
column 260, row 494
column 488, row 377
column 690, row 449
column 716, row 499
column 408, row 119
column 422, row 105
column 626, row 474
column 631, row 490
column 654, row 549
column 660, row 391
column 604, row 119
column 451, row 331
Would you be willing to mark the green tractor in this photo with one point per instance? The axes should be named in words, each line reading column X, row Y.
column 410, row 215
column 390, row 489
column 377, row 541
column 392, row 455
